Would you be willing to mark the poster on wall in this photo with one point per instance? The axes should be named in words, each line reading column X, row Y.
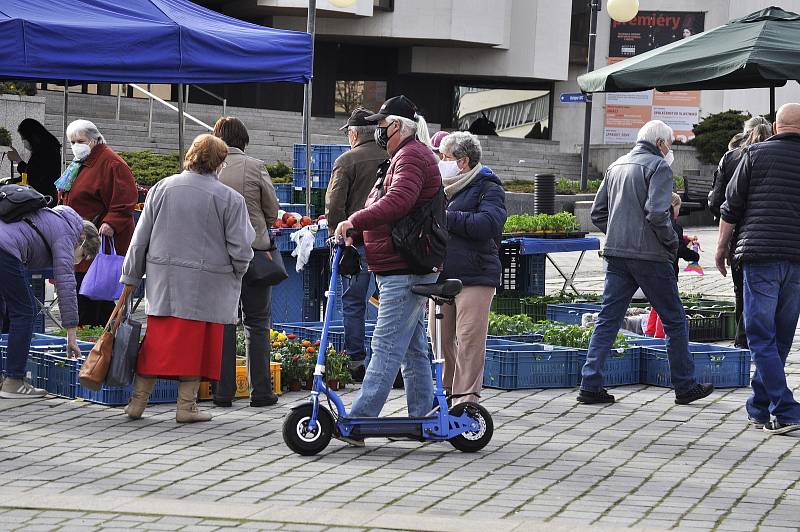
column 627, row 112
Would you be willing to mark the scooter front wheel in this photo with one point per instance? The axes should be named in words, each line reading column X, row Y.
column 470, row 442
column 299, row 438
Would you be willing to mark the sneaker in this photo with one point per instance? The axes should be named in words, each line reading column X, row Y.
column 698, row 391
column 19, row 389
column 264, row 401
column 595, row 398
column 776, row 427
column 756, row 424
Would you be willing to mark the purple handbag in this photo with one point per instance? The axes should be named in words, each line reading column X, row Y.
column 101, row 282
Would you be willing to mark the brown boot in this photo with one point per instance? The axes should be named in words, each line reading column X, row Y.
column 187, row 411
column 142, row 386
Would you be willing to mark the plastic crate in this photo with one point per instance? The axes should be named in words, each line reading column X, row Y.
column 622, row 366
column 570, row 313
column 708, row 328
column 317, row 198
column 299, row 298
column 165, row 391
column 283, row 239
column 725, row 367
column 508, row 303
column 524, row 274
column 322, row 159
column 36, row 282
column 371, row 313
column 536, row 311
column 284, row 192
column 531, row 338
column 522, row 366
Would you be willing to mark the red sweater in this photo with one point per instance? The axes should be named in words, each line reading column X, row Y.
column 105, row 192
column 411, row 181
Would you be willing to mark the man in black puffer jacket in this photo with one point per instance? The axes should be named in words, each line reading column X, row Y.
column 763, row 204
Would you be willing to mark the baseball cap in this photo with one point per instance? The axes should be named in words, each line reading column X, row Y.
column 398, row 106
column 358, row 118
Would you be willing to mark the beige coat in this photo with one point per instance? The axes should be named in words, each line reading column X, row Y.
column 193, row 241
column 248, row 177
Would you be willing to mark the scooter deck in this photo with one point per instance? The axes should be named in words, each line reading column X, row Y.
column 392, row 419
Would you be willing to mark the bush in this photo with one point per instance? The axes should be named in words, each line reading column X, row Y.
column 714, row 132
column 149, row 168
column 5, row 137
column 20, row 88
column 279, row 172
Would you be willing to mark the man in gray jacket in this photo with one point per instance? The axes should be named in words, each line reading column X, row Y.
column 632, row 208
column 352, row 178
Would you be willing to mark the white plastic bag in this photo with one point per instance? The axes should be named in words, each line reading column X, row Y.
column 304, row 240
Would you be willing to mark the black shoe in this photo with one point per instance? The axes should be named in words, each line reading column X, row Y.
column 698, row 391
column 266, row 401
column 756, row 424
column 222, row 403
column 776, row 427
column 358, row 370
column 595, row 398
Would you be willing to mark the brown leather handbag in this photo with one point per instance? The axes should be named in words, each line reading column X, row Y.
column 95, row 367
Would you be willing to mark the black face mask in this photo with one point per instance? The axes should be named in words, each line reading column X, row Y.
column 382, row 136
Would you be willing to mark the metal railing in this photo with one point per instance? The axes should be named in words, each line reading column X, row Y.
column 152, row 97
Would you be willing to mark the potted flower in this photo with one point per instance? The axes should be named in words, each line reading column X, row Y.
column 337, row 369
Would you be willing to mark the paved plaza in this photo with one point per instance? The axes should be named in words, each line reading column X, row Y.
column 553, row 464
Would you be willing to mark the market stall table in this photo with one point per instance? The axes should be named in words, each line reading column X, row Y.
column 546, row 246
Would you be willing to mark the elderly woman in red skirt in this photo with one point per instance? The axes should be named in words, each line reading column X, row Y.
column 193, row 241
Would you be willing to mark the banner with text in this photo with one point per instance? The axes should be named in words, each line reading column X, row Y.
column 627, row 112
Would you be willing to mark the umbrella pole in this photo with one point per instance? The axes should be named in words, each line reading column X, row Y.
column 64, row 122
column 180, row 124
column 587, row 120
column 311, row 30
column 772, row 104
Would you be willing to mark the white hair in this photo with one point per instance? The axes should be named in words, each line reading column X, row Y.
column 87, row 128
column 653, row 131
column 407, row 126
column 363, row 131
column 423, row 134
column 461, row 144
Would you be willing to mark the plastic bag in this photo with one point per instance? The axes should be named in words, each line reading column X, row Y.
column 101, row 282
column 304, row 239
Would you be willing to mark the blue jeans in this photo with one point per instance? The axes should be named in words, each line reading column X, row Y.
column 657, row 281
column 771, row 309
column 354, row 308
column 399, row 340
column 21, row 311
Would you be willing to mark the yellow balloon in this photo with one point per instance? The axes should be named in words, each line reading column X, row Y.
column 342, row 3
column 622, row 10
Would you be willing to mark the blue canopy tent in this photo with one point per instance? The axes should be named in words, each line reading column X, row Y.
column 148, row 41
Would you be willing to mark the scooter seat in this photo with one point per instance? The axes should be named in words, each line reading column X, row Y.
column 448, row 288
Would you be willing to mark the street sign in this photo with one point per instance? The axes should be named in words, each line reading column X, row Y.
column 573, row 97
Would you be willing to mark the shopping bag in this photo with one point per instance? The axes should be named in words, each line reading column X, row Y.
column 101, row 282
column 95, row 367
column 266, row 268
column 125, row 350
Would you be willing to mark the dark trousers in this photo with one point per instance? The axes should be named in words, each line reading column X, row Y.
column 255, row 307
column 21, row 310
column 737, row 274
column 91, row 312
column 355, row 298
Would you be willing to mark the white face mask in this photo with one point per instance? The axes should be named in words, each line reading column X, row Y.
column 669, row 157
column 448, row 168
column 80, row 151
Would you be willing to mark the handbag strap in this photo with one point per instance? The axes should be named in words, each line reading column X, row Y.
column 103, row 241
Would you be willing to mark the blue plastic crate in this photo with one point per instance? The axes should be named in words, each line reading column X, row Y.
column 322, row 159
column 523, row 274
column 522, row 366
column 165, row 391
column 39, row 343
column 299, row 298
column 371, row 313
column 622, row 366
column 531, row 338
column 570, row 313
column 725, row 367
column 36, row 282
column 302, row 329
column 284, row 192
column 283, row 241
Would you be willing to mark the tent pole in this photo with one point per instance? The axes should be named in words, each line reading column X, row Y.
column 772, row 104
column 64, row 122
column 180, row 123
column 311, row 30
column 587, row 120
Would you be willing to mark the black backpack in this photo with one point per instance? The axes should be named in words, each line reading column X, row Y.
column 18, row 201
column 421, row 236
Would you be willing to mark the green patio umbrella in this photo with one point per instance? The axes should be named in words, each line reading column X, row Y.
column 759, row 50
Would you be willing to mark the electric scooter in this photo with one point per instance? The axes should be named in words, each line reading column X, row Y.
column 309, row 427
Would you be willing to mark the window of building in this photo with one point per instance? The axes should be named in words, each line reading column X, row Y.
column 383, row 5
column 505, row 112
column 351, row 94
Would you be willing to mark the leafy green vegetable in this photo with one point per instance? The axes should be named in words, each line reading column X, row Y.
column 522, row 223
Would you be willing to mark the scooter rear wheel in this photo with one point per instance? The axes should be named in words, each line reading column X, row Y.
column 470, row 442
column 297, row 435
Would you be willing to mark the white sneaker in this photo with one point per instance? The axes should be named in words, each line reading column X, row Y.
column 19, row 389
